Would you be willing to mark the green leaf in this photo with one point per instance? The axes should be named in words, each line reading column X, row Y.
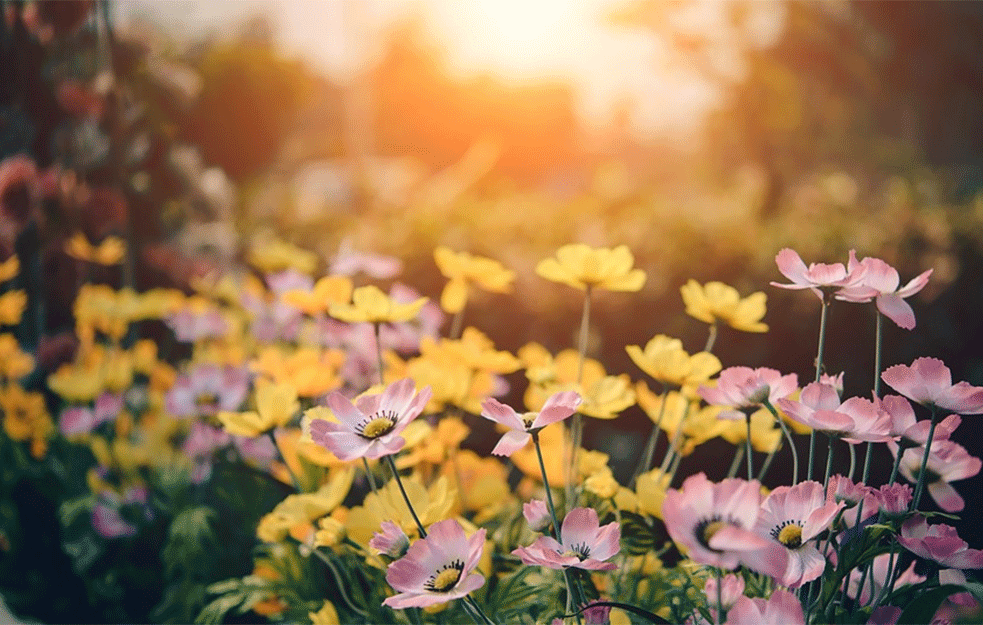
column 924, row 606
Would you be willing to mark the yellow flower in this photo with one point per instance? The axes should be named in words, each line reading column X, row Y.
column 463, row 269
column 330, row 532
column 311, row 371
column 9, row 268
column 12, row 305
column 26, row 418
column 77, row 384
column 717, row 301
column 481, row 483
column 666, row 361
column 431, row 505
column 109, row 252
column 370, row 304
column 651, row 489
column 591, row 462
column 304, row 508
column 765, row 434
column 582, row 266
column 327, row 615
column 602, row 484
column 279, row 255
column 474, row 350
column 552, row 441
column 276, row 404
column 14, row 363
column 604, row 396
column 327, row 291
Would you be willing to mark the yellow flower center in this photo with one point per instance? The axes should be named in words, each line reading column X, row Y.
column 446, row 579
column 710, row 529
column 790, row 536
column 378, row 427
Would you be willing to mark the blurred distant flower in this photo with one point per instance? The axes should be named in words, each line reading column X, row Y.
column 876, row 579
column 881, row 283
column 665, row 360
column 109, row 252
column 370, row 304
column 463, row 269
column 207, row 389
column 536, row 514
column 581, row 266
column 276, row 405
column 18, row 187
column 77, row 100
column 325, row 292
column 743, row 387
column 348, row 262
column 109, row 518
column 56, row 17
column 12, row 306
column 782, row 608
column 947, row 462
column 716, row 301
column 277, row 255
column 25, row 417
column 82, row 419
column 14, row 362
column 9, row 268
column 198, row 318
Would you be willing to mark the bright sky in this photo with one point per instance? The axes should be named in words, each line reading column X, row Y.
column 516, row 39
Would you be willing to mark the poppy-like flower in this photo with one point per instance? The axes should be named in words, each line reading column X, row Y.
column 947, row 462
column 907, row 429
column 463, row 269
column 371, row 427
column 438, row 568
column 939, row 543
column 666, row 361
column 715, row 524
column 842, row 489
column 370, row 304
column 391, row 541
column 349, row 262
column 794, row 516
column 537, row 515
column 744, row 387
column 782, row 608
column 109, row 252
column 107, row 518
column 521, row 427
column 585, row 544
column 276, row 405
column 716, row 301
column 853, row 420
column 817, row 277
column 582, row 266
column 895, row 498
column 929, row 382
column 880, row 282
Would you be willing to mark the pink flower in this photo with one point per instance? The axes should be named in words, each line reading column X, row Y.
column 877, row 579
column 348, row 262
column 782, row 608
column 391, row 541
column 731, row 589
column 371, row 427
column 537, row 515
column 906, row 427
column 207, row 389
column 585, row 544
column 895, row 498
column 793, row 516
column 192, row 325
column 841, row 488
column 939, row 543
column 715, row 523
column 929, row 382
column 947, row 462
column 854, row 420
column 82, row 420
column 744, row 387
column 818, row 277
column 521, row 427
column 437, row 568
column 880, row 281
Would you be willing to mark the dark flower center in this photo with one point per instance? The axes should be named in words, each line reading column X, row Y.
column 446, row 578
column 789, row 533
column 380, row 424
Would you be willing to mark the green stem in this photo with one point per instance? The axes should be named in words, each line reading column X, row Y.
column 646, row 462
column 711, row 338
column 747, row 445
column 369, row 476
column 853, row 461
column 928, row 451
column 293, row 478
column 457, row 324
column 829, row 461
column 378, row 353
column 577, row 426
column 878, row 345
column 736, row 462
column 399, row 482
column 339, row 582
column 819, row 373
column 894, row 469
column 788, row 437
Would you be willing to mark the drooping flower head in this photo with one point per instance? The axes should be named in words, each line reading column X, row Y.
column 817, row 277
column 585, row 544
column 665, row 360
column 537, row 515
column 880, row 282
column 947, row 462
column 371, row 427
column 438, row 568
column 715, row 524
column 744, row 387
column 929, row 382
column 521, row 427
column 939, row 543
column 793, row 517
column 391, row 541
column 853, row 420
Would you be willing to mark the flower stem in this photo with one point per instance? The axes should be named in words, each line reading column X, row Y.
column 378, row 352
column 829, row 462
column 399, row 482
column 369, row 476
column 577, row 426
column 928, row 451
column 646, row 462
column 456, row 324
column 853, row 462
column 711, row 338
column 736, row 463
column 747, row 445
column 788, row 437
column 293, row 477
column 819, row 373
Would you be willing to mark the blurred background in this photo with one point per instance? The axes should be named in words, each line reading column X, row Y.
column 703, row 135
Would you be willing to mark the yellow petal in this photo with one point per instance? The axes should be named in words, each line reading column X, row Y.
column 455, row 296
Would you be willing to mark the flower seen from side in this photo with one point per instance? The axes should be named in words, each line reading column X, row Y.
column 817, row 277
column 880, row 282
column 585, row 544
column 463, row 269
column 929, row 382
column 276, row 405
column 522, row 426
column 744, row 387
column 581, row 266
column 665, row 360
column 718, row 302
column 371, row 427
column 875, row 580
column 947, row 462
column 390, row 541
column 853, row 420
column 939, row 543
column 370, row 304
column 438, row 568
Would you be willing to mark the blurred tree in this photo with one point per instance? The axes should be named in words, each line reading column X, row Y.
column 250, row 98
